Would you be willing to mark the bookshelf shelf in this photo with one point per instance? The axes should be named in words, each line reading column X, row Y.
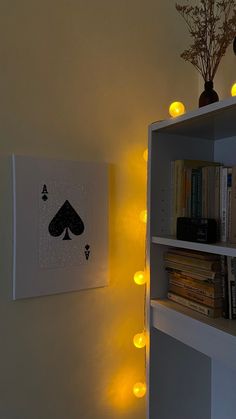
column 188, row 353
column 215, row 338
column 217, row 248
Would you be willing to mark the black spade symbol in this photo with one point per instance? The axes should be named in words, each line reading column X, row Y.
column 87, row 251
column 66, row 219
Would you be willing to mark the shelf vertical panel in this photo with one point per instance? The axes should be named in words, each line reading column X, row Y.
column 223, row 391
column 180, row 380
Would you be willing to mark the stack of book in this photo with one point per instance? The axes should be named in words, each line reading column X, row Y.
column 195, row 280
column 204, row 189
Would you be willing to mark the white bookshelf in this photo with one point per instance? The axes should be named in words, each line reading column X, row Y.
column 187, row 351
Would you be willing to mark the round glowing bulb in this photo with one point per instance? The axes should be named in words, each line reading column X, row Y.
column 139, row 340
column 233, row 90
column 176, row 109
column 139, row 389
column 145, row 155
column 143, row 216
column 139, row 278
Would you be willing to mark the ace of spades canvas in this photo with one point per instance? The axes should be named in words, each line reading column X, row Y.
column 60, row 226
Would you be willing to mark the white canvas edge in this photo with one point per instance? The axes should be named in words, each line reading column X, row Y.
column 14, row 224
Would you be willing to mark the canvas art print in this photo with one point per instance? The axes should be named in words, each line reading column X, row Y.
column 60, row 226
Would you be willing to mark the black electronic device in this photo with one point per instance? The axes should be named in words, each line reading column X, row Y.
column 202, row 230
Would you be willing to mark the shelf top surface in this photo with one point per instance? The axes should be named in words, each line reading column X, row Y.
column 220, row 248
column 215, row 337
column 225, row 325
column 212, row 122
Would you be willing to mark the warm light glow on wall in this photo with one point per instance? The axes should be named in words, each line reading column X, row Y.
column 139, row 278
column 143, row 216
column 233, row 90
column 139, row 340
column 119, row 395
column 176, row 109
column 145, row 155
column 139, row 389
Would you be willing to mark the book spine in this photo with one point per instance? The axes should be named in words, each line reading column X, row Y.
column 208, row 290
column 195, row 296
column 178, row 181
column 194, row 253
column 224, row 286
column 210, row 312
column 204, row 191
column 184, row 192
column 191, row 271
column 196, row 191
column 180, row 165
column 233, row 207
column 173, row 197
column 217, row 193
column 194, row 262
column 199, row 193
column 229, row 192
column 229, row 286
column 211, row 191
column 217, row 199
column 188, row 192
column 229, row 214
column 233, row 300
column 193, row 194
column 223, row 204
column 234, row 275
column 175, row 182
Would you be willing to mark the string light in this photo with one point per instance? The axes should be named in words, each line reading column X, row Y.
column 143, row 216
column 139, row 340
column 233, row 90
column 139, row 389
column 139, row 278
column 176, row 109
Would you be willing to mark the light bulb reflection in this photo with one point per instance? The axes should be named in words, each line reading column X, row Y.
column 139, row 278
column 145, row 155
column 143, row 216
column 139, row 389
column 139, row 340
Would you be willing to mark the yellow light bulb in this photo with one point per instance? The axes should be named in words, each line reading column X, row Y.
column 139, row 278
column 233, row 90
column 139, row 389
column 140, row 340
column 143, row 216
column 145, row 155
column 176, row 109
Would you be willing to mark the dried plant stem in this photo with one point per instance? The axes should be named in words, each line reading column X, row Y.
column 212, row 26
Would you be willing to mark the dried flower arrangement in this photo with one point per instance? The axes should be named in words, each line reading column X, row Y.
column 212, row 25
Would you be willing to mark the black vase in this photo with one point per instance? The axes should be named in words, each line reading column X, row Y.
column 208, row 95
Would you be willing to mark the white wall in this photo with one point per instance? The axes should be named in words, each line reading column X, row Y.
column 83, row 79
